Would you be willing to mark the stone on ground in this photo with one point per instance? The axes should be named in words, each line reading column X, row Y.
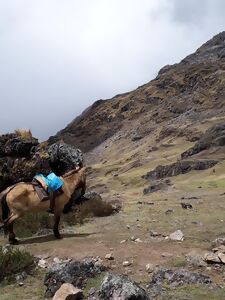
column 68, row 292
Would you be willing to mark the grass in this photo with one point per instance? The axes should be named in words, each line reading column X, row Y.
column 33, row 288
column 14, row 260
column 94, row 282
column 23, row 133
column 179, row 262
column 31, row 222
column 193, row 292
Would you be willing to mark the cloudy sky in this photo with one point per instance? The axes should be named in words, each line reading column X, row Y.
column 59, row 56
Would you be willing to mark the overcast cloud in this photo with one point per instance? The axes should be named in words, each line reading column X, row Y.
column 59, row 56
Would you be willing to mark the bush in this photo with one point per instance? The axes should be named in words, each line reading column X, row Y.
column 23, row 133
column 94, row 208
column 14, row 260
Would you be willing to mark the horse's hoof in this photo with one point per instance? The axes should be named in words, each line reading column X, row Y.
column 57, row 235
column 14, row 242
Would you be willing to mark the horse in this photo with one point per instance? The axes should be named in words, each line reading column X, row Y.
column 21, row 198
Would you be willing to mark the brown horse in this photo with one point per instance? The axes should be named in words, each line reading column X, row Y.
column 21, row 198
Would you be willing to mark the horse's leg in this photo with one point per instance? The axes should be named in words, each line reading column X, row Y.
column 10, row 222
column 56, row 225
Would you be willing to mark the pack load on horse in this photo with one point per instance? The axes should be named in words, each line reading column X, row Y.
column 48, row 187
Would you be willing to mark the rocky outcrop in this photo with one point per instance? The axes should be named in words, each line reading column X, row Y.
column 22, row 157
column 73, row 272
column 119, row 287
column 180, row 167
column 63, row 157
column 174, row 278
column 157, row 186
column 213, row 137
column 178, row 277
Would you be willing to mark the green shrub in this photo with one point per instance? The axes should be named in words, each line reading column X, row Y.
column 14, row 260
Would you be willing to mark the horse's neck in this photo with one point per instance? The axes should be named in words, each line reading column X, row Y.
column 71, row 182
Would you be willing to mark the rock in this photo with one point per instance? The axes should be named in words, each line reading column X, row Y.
column 64, row 157
column 20, row 278
column 73, row 272
column 43, row 231
column 154, row 233
column 92, row 291
column 42, row 263
column 178, row 277
column 167, row 254
column 186, row 205
column 196, row 260
column 109, row 256
column 118, row 287
column 221, row 257
column 138, row 241
column 149, row 268
column 218, row 241
column 211, row 258
column 177, row 236
column 133, row 238
column 219, row 249
column 156, row 186
column 127, row 263
column 123, row 241
column 68, row 292
column 169, row 211
column 137, row 137
column 56, row 260
column 180, row 167
column 214, row 136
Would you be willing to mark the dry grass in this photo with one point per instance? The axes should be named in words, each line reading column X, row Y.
column 23, row 133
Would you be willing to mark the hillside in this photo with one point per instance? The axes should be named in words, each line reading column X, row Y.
column 181, row 95
column 159, row 152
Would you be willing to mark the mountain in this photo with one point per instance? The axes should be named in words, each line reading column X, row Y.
column 181, row 95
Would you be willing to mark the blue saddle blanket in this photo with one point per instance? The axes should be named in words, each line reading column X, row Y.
column 52, row 181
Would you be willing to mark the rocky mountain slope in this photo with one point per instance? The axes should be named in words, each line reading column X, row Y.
column 181, row 95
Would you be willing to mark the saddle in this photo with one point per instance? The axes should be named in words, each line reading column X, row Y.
column 47, row 189
column 41, row 188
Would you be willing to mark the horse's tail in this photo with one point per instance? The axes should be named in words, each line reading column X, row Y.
column 5, row 209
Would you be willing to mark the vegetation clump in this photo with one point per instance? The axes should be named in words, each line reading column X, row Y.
column 14, row 260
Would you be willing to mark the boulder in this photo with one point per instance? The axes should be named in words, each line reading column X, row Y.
column 119, row 287
column 64, row 157
column 212, row 258
column 68, row 292
column 213, row 137
column 73, row 272
column 195, row 260
column 180, row 167
column 177, row 235
column 178, row 277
